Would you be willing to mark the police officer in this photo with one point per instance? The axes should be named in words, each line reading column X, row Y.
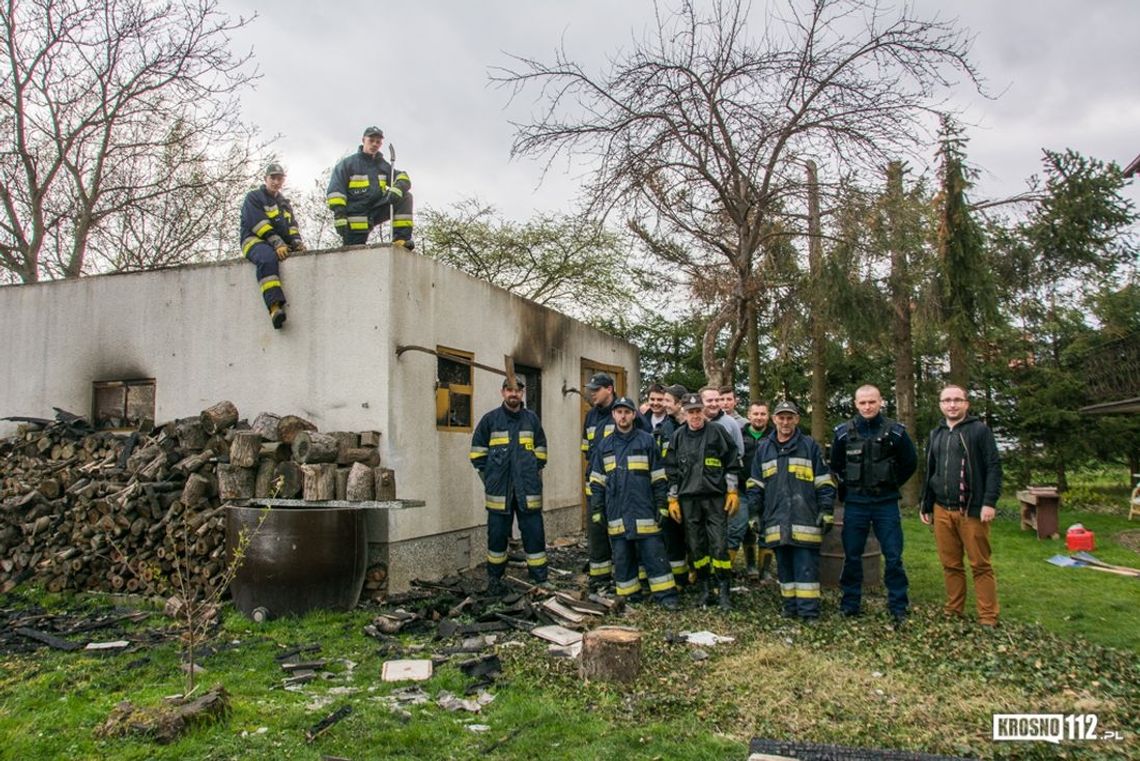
column 628, row 488
column 872, row 457
column 508, row 450
column 269, row 232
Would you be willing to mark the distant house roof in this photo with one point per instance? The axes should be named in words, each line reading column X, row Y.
column 1133, row 167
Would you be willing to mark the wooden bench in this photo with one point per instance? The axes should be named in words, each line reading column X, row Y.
column 1039, row 508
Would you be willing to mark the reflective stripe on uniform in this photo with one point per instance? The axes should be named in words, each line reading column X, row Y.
column 646, row 526
column 637, row 462
column 495, row 503
column 249, row 243
column 601, row 569
column 627, row 588
column 270, row 282
column 615, row 527
column 772, row 534
column 662, row 583
column 658, row 475
column 823, row 481
column 712, row 462
column 500, row 438
column 357, row 181
column 801, row 468
column 357, row 223
column 788, row 589
column 534, row 501
column 336, row 199
column 263, row 228
column 767, row 468
column 272, row 211
column 597, row 478
column 477, row 452
column 701, row 562
column 723, row 565
column 540, row 453
column 808, row 589
column 496, row 558
column 806, row 533
column 535, row 559
column 679, row 567
column 609, row 462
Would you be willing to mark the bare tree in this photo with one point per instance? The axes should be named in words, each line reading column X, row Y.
column 555, row 260
column 121, row 124
column 701, row 131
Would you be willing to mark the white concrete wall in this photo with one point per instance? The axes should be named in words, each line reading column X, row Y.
column 203, row 334
column 438, row 305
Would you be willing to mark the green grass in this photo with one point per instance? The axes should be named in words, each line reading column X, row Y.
column 1068, row 644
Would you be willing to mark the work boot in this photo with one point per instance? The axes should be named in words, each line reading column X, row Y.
column 496, row 587
column 725, row 604
column 671, row 603
column 751, row 570
column 703, row 593
column 277, row 315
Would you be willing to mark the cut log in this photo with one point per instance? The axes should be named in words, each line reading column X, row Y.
column 197, row 488
column 277, row 451
column 291, row 480
column 245, row 449
column 361, row 483
column 611, row 654
column 370, row 438
column 341, row 483
column 235, row 482
column 266, row 425
column 263, row 482
column 310, row 447
column 291, row 425
column 190, row 433
column 319, row 481
column 385, row 484
column 367, row 455
column 219, row 417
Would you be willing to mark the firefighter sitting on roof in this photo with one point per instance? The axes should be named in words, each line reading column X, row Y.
column 268, row 233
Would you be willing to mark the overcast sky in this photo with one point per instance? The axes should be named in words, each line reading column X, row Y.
column 1062, row 72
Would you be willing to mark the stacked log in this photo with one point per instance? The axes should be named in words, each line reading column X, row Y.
column 86, row 510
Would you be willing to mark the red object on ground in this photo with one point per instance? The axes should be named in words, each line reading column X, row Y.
column 1077, row 539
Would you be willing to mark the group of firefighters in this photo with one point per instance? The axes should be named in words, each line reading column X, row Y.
column 665, row 483
column 364, row 191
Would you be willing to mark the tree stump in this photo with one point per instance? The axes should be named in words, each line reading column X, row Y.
column 190, row 433
column 319, row 481
column 310, row 447
column 291, row 479
column 385, row 484
column 219, row 417
column 611, row 654
column 266, row 424
column 235, row 482
column 370, row 438
column 291, row 425
column 245, row 449
column 361, row 483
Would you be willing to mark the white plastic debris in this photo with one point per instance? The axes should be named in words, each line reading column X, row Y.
column 705, row 638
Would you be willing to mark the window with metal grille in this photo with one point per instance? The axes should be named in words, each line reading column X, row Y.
column 453, row 389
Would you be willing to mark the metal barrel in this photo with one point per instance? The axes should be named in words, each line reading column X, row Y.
column 299, row 559
column 831, row 556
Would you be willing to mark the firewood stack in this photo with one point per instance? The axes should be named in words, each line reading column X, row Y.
column 84, row 510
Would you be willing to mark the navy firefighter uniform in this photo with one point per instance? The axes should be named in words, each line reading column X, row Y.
column 508, row 450
column 268, row 233
column 628, row 487
column 792, row 491
column 363, row 192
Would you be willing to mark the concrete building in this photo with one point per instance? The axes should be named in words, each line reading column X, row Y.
column 377, row 339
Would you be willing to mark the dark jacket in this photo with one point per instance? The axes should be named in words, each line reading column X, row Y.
column 974, row 474
column 871, row 459
column 267, row 219
column 628, row 483
column 508, row 449
column 701, row 463
column 790, row 488
column 359, row 185
column 663, row 431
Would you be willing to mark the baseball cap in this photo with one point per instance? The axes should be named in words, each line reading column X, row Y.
column 370, row 131
column 598, row 380
column 626, row 402
column 273, row 169
column 518, row 382
column 692, row 402
column 786, row 406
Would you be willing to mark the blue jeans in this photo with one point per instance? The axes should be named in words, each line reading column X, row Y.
column 858, row 519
